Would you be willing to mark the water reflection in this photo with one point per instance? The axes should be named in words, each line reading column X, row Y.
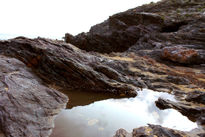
column 82, row 98
column 103, row 118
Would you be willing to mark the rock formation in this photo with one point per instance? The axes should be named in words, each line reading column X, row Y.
column 160, row 46
column 157, row 131
column 27, row 106
column 169, row 37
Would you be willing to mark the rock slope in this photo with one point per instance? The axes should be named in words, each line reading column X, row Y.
column 170, row 29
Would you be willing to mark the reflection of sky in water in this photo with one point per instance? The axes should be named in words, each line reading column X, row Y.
column 103, row 118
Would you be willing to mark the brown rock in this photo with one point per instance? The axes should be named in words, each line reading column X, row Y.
column 180, row 55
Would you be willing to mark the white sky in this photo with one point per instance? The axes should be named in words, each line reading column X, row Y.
column 54, row 18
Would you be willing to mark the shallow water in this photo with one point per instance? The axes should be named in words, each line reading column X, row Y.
column 103, row 118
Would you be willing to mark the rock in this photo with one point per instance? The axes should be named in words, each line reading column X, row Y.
column 180, row 55
column 192, row 111
column 151, row 131
column 171, row 29
column 196, row 96
column 169, row 34
column 117, row 33
column 178, row 80
column 160, row 46
column 66, row 66
column 122, row 133
column 27, row 106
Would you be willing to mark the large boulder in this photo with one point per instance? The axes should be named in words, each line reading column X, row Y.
column 27, row 106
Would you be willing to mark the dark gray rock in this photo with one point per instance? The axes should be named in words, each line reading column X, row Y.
column 118, row 33
column 148, row 29
column 192, row 111
column 196, row 96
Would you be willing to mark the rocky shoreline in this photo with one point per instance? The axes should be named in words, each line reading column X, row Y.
column 160, row 46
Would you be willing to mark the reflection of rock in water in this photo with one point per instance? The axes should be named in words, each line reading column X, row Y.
column 157, row 113
column 151, row 107
column 82, row 98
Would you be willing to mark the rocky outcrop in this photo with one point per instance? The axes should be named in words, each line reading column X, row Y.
column 192, row 111
column 118, row 33
column 151, row 131
column 63, row 65
column 27, row 106
column 58, row 65
column 163, row 45
column 173, row 30
column 196, row 96
column 157, row 46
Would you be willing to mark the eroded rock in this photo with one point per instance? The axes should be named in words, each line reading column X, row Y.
column 171, row 29
column 67, row 66
column 118, row 33
column 27, row 107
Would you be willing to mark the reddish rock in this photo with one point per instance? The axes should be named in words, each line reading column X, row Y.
column 180, row 55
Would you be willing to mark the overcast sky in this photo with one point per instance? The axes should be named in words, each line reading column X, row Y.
column 53, row 18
